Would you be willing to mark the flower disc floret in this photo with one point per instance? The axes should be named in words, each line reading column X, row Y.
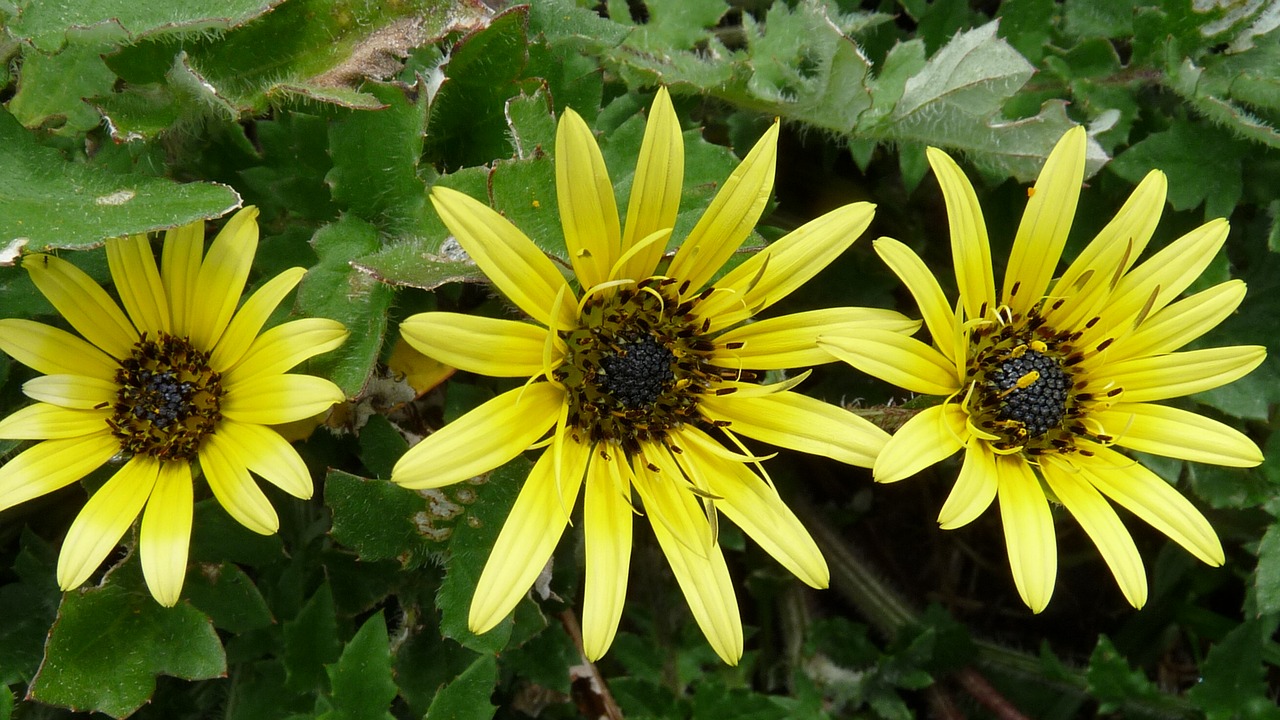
column 169, row 399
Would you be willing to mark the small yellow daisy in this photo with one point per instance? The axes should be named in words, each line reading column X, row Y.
column 640, row 378
column 180, row 376
column 1041, row 384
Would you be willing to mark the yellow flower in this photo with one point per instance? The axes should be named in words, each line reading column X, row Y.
column 182, row 377
column 1042, row 384
column 640, row 377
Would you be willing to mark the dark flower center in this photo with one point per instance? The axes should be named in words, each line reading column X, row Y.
column 1034, row 391
column 638, row 373
column 168, row 400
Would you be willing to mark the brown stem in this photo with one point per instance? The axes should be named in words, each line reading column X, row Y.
column 590, row 691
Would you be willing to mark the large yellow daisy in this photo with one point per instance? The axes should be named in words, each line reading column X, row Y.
column 180, row 376
column 1044, row 382
column 641, row 379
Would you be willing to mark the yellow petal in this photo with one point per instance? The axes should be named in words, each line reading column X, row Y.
column 1102, row 525
column 100, row 525
column 43, row 421
column 282, row 347
column 222, row 277
column 894, row 358
column 481, row 440
column 1177, row 374
column 51, row 465
column 1094, row 272
column 84, row 304
column 607, row 511
column 924, row 287
column 588, row 210
column 970, row 248
column 700, row 569
column 655, row 190
column 1028, row 531
column 1177, row 324
column 263, row 451
column 791, row 341
column 974, row 490
column 248, row 322
column 52, row 351
column 930, row 437
column 755, row 506
column 799, row 422
column 72, row 391
column 488, row 346
column 166, row 533
column 138, row 283
column 776, row 271
column 507, row 257
column 1045, row 223
column 1176, row 433
column 279, row 399
column 529, row 536
column 179, row 268
column 1144, row 494
column 235, row 490
column 730, row 217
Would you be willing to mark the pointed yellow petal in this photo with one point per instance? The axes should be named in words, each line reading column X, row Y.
column 222, row 277
column 104, row 519
column 1102, row 525
column 970, row 248
column 1028, row 531
column 655, row 190
column 282, row 347
column 71, row 391
column 799, row 422
column 924, row 287
column 606, row 521
column 1045, row 223
column 52, row 351
column 180, row 267
column 43, row 421
column 248, row 322
column 279, row 399
column 263, row 451
column 930, row 437
column 510, row 260
column 84, row 304
column 974, row 490
column 1178, row 324
column 138, row 282
column 1169, row 376
column 702, row 575
column 51, row 465
column 753, row 505
column 529, row 536
column 1085, row 284
column 1175, row 433
column 894, row 358
column 235, row 490
column 481, row 440
column 1144, row 494
column 792, row 340
column 166, row 533
column 588, row 210
column 731, row 216
column 488, row 346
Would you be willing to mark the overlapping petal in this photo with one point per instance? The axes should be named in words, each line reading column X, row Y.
column 975, row 488
column 83, row 303
column 138, row 283
column 655, row 189
column 104, row 520
column 1177, row 433
column 489, row 346
column 799, row 422
column 222, row 277
column 588, row 210
column 166, row 533
column 924, row 287
column 930, row 437
column 895, row 358
column 790, row 341
column 606, row 511
column 970, row 248
column 1028, row 531
column 52, row 351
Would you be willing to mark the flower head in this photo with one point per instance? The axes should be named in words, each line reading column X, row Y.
column 1045, row 381
column 640, row 377
column 179, row 377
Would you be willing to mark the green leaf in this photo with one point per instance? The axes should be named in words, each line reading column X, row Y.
column 334, row 289
column 110, row 642
column 1112, row 681
column 1231, row 684
column 383, row 521
column 1266, row 580
column 1202, row 162
column 361, row 679
column 29, row 606
column 48, row 24
column 51, row 203
column 310, row 642
column 469, row 549
column 229, row 597
column 52, row 89
column 467, row 697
